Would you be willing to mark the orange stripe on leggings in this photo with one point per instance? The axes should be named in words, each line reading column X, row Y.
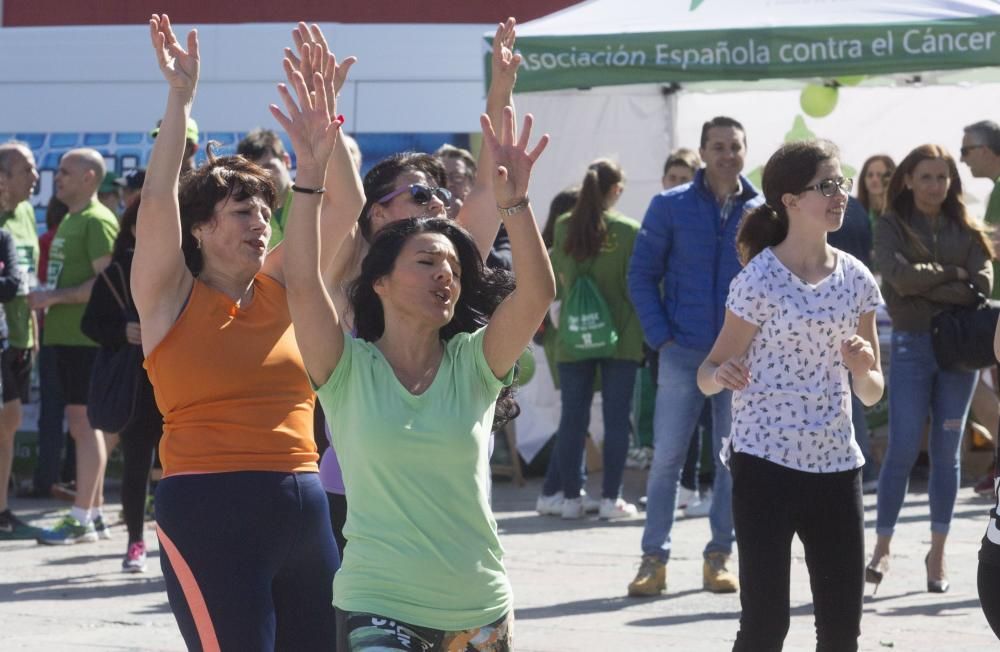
column 192, row 594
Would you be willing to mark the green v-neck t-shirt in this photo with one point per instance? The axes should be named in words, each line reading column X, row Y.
column 424, row 546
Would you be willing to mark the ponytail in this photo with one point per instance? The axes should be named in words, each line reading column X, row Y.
column 587, row 227
column 761, row 228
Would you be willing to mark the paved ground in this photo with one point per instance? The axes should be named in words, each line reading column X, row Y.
column 569, row 580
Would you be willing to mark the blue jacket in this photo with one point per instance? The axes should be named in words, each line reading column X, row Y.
column 683, row 262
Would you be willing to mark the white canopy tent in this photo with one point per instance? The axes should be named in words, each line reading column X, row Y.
column 924, row 87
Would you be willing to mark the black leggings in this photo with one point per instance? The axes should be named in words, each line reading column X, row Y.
column 139, row 440
column 771, row 504
column 989, row 594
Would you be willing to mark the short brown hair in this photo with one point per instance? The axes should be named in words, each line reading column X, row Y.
column 218, row 179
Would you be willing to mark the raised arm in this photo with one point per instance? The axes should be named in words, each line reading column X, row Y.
column 517, row 318
column 344, row 196
column 313, row 134
column 161, row 284
column 478, row 214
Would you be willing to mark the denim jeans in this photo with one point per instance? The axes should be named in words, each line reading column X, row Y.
column 918, row 387
column 577, row 393
column 678, row 405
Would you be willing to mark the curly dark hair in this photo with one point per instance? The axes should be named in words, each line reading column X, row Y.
column 483, row 289
column 202, row 189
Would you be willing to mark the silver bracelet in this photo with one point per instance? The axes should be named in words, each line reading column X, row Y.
column 513, row 210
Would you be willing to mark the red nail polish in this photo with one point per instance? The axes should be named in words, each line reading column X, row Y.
column 340, row 118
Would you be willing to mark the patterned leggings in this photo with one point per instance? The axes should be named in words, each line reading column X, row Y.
column 359, row 632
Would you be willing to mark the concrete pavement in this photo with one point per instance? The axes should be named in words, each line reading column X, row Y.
column 569, row 580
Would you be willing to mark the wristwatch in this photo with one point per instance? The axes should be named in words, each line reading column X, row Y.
column 512, row 210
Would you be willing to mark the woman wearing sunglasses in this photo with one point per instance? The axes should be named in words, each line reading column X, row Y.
column 800, row 317
column 933, row 256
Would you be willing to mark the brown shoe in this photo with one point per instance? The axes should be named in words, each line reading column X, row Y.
column 717, row 578
column 651, row 578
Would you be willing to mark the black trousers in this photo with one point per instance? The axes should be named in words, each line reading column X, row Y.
column 989, row 594
column 771, row 504
column 139, row 441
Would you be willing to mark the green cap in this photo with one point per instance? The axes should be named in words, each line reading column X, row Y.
column 191, row 131
column 111, row 183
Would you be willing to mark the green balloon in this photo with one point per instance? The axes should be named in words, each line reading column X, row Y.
column 818, row 101
column 525, row 367
column 851, row 80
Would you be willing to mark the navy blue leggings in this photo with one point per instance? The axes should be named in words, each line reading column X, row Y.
column 248, row 558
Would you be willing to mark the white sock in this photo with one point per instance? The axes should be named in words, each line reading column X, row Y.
column 96, row 512
column 80, row 514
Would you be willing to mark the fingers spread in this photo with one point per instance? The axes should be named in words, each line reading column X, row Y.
column 279, row 116
column 543, row 142
column 522, row 142
column 286, row 97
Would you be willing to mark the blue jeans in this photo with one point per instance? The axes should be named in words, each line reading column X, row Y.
column 577, row 390
column 918, row 387
column 678, row 405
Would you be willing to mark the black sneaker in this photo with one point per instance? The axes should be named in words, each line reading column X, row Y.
column 13, row 528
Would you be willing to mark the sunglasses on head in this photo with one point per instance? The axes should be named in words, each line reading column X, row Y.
column 420, row 193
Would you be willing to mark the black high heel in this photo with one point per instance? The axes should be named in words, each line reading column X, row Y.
column 876, row 571
column 935, row 586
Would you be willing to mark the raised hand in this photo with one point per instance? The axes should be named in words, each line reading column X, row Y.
column 505, row 61
column 319, row 60
column 180, row 67
column 309, row 124
column 511, row 156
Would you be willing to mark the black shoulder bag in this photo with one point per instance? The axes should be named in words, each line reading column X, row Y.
column 114, row 378
column 963, row 336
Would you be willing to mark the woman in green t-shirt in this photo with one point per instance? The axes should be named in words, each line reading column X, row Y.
column 412, row 400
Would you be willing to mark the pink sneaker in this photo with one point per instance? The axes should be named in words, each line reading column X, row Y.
column 135, row 558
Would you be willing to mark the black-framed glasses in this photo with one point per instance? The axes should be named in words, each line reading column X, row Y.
column 965, row 149
column 828, row 187
column 420, row 193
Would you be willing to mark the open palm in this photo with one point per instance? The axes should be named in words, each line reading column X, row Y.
column 180, row 67
column 511, row 155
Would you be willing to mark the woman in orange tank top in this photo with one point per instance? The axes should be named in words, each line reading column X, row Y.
column 248, row 552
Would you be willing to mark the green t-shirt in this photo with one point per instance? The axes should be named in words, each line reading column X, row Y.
column 424, row 545
column 278, row 222
column 81, row 239
column 609, row 269
column 20, row 223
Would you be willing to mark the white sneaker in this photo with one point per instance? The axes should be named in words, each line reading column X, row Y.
column 617, row 508
column 572, row 508
column 700, row 508
column 590, row 505
column 687, row 497
column 550, row 505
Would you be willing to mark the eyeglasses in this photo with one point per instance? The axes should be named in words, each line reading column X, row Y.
column 828, row 187
column 965, row 149
column 420, row 193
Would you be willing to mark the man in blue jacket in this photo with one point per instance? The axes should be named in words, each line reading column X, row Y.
column 682, row 264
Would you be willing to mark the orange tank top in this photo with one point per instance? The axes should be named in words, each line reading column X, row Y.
column 232, row 387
